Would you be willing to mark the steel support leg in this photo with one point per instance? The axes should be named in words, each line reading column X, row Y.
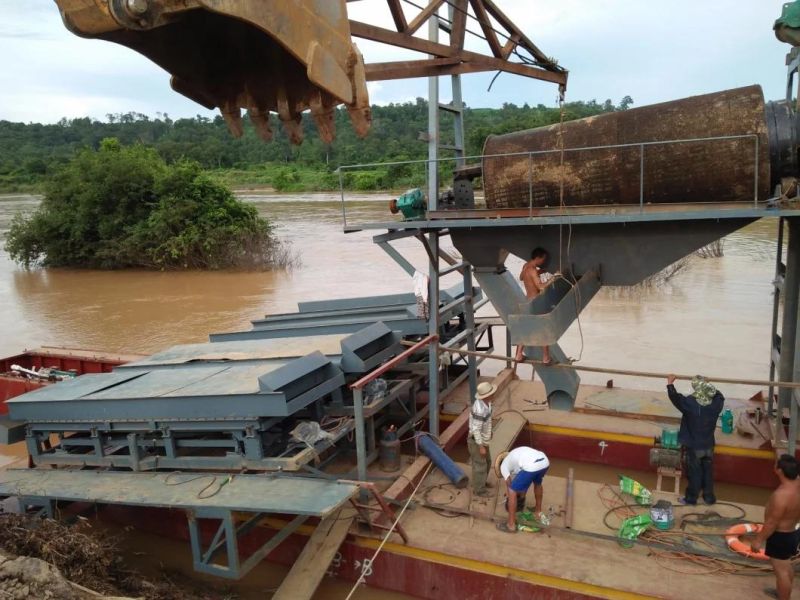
column 433, row 329
column 791, row 294
column 433, row 123
column 361, row 439
column 792, row 268
column 469, row 321
column 776, row 301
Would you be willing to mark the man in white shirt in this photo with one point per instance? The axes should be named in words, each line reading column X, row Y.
column 520, row 468
column 480, row 435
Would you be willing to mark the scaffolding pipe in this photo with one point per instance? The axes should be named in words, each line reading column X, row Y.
column 791, row 294
column 569, row 504
column 633, row 373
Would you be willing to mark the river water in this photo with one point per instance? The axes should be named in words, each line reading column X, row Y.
column 714, row 316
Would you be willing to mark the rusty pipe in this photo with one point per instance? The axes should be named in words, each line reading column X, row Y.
column 569, row 505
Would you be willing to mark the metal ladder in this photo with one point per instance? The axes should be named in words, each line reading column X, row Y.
column 783, row 354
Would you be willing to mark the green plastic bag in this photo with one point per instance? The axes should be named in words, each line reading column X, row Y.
column 632, row 528
column 635, row 489
column 527, row 521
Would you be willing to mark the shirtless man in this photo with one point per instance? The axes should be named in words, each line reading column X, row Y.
column 780, row 519
column 535, row 284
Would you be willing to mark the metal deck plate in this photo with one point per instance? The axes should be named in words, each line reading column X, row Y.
column 246, row 493
column 251, row 350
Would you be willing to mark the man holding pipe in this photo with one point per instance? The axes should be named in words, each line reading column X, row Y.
column 521, row 468
column 480, row 435
column 699, row 414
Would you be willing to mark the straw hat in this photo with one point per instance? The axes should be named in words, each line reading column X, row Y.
column 497, row 462
column 485, row 389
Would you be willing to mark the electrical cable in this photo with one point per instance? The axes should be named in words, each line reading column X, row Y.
column 369, row 562
column 504, row 35
column 614, row 371
column 201, row 495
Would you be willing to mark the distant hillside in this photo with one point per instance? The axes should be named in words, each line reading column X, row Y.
column 28, row 152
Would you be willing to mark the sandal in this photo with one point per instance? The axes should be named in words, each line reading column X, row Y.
column 503, row 526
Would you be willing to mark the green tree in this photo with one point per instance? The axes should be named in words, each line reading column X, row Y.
column 123, row 206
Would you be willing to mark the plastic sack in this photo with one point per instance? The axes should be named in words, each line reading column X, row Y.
column 632, row 528
column 635, row 489
column 526, row 521
column 309, row 433
column 375, row 390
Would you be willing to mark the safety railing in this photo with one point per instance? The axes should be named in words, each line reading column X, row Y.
column 358, row 398
column 425, row 165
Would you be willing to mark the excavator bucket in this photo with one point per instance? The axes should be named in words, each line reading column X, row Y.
column 264, row 56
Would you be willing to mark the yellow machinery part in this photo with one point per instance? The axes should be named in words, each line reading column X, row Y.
column 264, row 57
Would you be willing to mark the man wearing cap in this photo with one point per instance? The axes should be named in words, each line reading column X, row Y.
column 699, row 414
column 520, row 468
column 480, row 434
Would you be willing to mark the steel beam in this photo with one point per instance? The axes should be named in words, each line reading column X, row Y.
column 361, row 441
column 791, row 304
column 433, row 329
column 469, row 322
column 397, row 257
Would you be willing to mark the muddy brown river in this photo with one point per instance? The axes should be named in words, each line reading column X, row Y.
column 713, row 317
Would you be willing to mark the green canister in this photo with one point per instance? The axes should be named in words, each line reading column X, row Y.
column 727, row 421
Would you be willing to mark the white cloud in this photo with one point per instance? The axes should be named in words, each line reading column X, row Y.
column 650, row 51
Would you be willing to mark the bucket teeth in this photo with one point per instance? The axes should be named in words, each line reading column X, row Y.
column 233, row 118
column 294, row 128
column 322, row 111
column 261, row 121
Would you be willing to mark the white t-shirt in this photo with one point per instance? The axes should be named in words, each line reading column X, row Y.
column 523, row 459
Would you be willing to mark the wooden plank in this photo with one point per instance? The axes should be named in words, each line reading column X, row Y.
column 423, row 16
column 625, row 415
column 406, row 69
column 510, row 45
column 506, row 432
column 455, row 432
column 486, row 26
column 458, row 28
column 397, row 15
column 243, row 493
column 310, row 567
column 477, row 62
column 509, row 25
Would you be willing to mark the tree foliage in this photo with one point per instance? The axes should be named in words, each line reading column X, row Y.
column 29, row 152
column 123, row 206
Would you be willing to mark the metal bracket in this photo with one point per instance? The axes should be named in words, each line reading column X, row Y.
column 227, row 537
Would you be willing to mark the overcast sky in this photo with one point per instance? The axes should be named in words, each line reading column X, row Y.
column 651, row 51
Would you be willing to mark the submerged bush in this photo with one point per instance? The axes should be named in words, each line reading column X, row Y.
column 123, row 207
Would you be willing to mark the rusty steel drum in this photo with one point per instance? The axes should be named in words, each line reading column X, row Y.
column 716, row 170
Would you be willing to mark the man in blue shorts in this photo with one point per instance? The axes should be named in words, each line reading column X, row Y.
column 520, row 468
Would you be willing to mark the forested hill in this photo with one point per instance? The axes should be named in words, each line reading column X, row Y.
column 28, row 152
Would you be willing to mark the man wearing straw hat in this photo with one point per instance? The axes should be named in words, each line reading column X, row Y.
column 699, row 414
column 480, row 434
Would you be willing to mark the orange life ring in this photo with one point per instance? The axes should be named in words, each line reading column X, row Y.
column 738, row 546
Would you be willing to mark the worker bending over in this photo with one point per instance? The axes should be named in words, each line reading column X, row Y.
column 519, row 469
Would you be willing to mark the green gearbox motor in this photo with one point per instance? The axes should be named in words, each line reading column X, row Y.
column 411, row 204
